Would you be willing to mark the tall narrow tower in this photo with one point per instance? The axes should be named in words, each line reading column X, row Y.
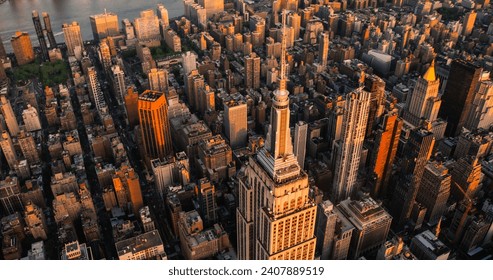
column 49, row 30
column 276, row 217
column 40, row 34
column 348, row 149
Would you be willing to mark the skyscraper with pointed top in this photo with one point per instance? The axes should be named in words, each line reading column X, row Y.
column 276, row 216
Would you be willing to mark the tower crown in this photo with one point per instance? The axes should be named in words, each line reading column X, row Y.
column 430, row 74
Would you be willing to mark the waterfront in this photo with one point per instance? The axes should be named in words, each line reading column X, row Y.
column 16, row 14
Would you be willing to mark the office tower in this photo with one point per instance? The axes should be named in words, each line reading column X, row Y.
column 252, row 71
column 376, row 86
column 3, row 53
column 427, row 246
column 36, row 221
column 104, row 25
column 434, row 191
column 371, row 225
column 105, row 54
column 9, row 116
column 323, row 48
column 466, row 177
column 212, row 7
column 417, row 152
column 147, row 27
column 325, row 228
column 154, row 124
column 468, row 23
column 10, row 196
column 95, row 89
column 31, row 119
column 49, row 30
column 215, row 159
column 127, row 188
column 475, row 233
column 300, row 136
column 191, row 228
column 189, row 62
column 459, row 95
column 349, row 147
column 119, row 87
column 23, row 49
column 276, row 216
column 28, row 147
column 257, row 27
column 172, row 40
column 194, row 81
column 73, row 37
column 131, row 107
column 385, row 149
column 206, row 197
column 146, row 246
column 163, row 15
column 8, row 150
column 129, row 31
column 425, row 101
column 481, row 113
column 235, row 121
column 158, row 79
column 41, row 37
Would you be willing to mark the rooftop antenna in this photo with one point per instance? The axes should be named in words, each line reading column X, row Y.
column 283, row 78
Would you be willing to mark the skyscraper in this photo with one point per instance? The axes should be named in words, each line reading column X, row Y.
column 23, row 49
column 147, row 27
column 28, row 147
column 235, row 121
column 8, row 150
column 206, row 196
column 212, row 7
column 9, row 116
column 163, row 15
column 300, row 137
column 371, row 225
column 459, row 95
column 118, row 79
column 481, row 113
column 425, row 101
column 323, row 48
column 276, row 216
column 73, row 37
column 417, row 152
column 158, row 79
column 41, row 37
column 154, row 125
column 188, row 60
column 104, row 25
column 252, row 71
column 384, row 151
column 95, row 89
column 348, row 148
column 49, row 30
column 434, row 191
column 468, row 23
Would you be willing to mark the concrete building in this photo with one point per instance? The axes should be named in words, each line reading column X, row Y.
column 426, row 246
column 73, row 39
column 300, row 138
column 252, row 71
column 154, row 125
column 104, row 25
column 9, row 116
column 8, row 150
column 198, row 243
column 10, row 196
column 36, row 222
column 158, row 79
column 147, row 246
column 31, row 119
column 371, row 225
column 215, row 159
column 235, row 121
column 349, row 147
column 23, row 48
column 147, row 28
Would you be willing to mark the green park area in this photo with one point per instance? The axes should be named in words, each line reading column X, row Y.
column 49, row 73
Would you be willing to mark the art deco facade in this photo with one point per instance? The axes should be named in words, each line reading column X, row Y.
column 276, row 216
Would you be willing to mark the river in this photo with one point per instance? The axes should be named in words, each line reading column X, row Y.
column 16, row 14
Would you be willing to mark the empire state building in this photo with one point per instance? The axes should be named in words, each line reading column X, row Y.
column 276, row 216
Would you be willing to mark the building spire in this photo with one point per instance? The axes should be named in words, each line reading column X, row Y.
column 282, row 77
column 430, row 75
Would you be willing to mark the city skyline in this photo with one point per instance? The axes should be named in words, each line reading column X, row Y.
column 250, row 131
